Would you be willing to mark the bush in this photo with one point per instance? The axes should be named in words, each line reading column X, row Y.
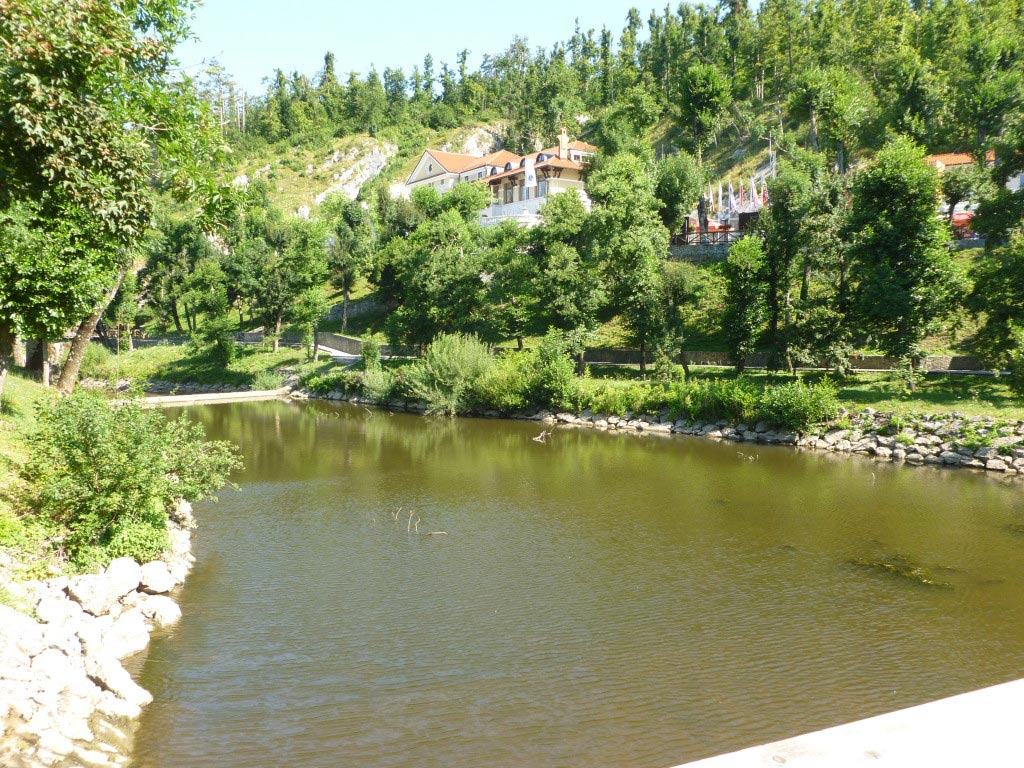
column 507, row 385
column 444, row 378
column 555, row 383
column 96, row 360
column 106, row 475
column 618, row 399
column 265, row 380
column 217, row 339
column 371, row 353
column 338, row 381
column 378, row 384
column 797, row 406
column 735, row 400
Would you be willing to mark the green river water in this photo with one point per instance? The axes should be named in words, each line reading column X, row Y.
column 598, row 600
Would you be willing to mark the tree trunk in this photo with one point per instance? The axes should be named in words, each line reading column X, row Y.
column 841, row 158
column 344, row 312
column 814, row 129
column 20, row 350
column 316, row 342
column 241, row 320
column 44, row 362
column 643, row 358
column 581, row 366
column 7, row 342
column 277, row 333
column 787, row 320
column 519, row 343
column 131, row 341
column 69, row 375
column 176, row 317
column 686, row 366
column 806, row 282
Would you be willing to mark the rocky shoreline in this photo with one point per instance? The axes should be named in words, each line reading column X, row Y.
column 65, row 698
column 948, row 440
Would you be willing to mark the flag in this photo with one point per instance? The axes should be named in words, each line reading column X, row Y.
column 719, row 195
column 742, row 193
column 764, row 193
column 531, row 172
column 732, row 197
column 711, row 198
column 753, row 192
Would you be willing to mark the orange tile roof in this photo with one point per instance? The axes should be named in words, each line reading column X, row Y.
column 952, row 159
column 452, row 162
column 498, row 159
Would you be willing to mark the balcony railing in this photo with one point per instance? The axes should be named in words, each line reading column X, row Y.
column 720, row 237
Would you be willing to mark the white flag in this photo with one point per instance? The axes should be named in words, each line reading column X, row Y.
column 531, row 172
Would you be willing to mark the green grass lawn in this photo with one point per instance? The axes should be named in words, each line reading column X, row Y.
column 180, row 364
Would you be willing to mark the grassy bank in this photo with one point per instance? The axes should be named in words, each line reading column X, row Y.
column 937, row 393
column 23, row 538
column 252, row 368
column 85, row 480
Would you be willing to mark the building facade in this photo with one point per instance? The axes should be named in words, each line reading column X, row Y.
column 520, row 185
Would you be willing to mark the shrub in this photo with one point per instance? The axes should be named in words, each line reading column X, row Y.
column 619, row 399
column 798, row 406
column 265, row 380
column 378, row 384
column 96, row 360
column 217, row 339
column 371, row 353
column 507, row 385
column 104, row 473
column 732, row 399
column 444, row 378
column 555, row 383
column 338, row 381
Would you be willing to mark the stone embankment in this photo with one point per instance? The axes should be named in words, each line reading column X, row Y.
column 948, row 440
column 65, row 698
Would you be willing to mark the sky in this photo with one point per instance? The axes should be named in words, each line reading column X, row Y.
column 252, row 38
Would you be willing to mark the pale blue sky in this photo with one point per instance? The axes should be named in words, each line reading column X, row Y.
column 253, row 37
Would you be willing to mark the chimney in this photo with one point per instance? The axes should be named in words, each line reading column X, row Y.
column 563, row 145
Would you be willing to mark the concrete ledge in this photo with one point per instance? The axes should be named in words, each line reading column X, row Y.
column 162, row 401
column 981, row 728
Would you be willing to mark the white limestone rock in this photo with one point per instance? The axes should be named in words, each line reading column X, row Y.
column 160, row 610
column 107, row 672
column 19, row 633
column 156, row 578
column 99, row 593
column 128, row 635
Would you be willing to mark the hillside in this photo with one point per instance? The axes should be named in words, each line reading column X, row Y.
column 302, row 174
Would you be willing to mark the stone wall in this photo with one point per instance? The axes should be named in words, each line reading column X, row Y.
column 65, row 698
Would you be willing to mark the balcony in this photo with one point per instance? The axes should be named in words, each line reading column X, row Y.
column 523, row 212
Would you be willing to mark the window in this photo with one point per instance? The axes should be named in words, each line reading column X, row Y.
column 479, row 174
column 542, row 188
column 430, row 168
column 508, row 194
column 524, row 193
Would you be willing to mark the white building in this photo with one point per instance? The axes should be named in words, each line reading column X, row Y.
column 520, row 185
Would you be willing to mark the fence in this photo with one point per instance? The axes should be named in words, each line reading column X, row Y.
column 962, row 363
column 252, row 337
